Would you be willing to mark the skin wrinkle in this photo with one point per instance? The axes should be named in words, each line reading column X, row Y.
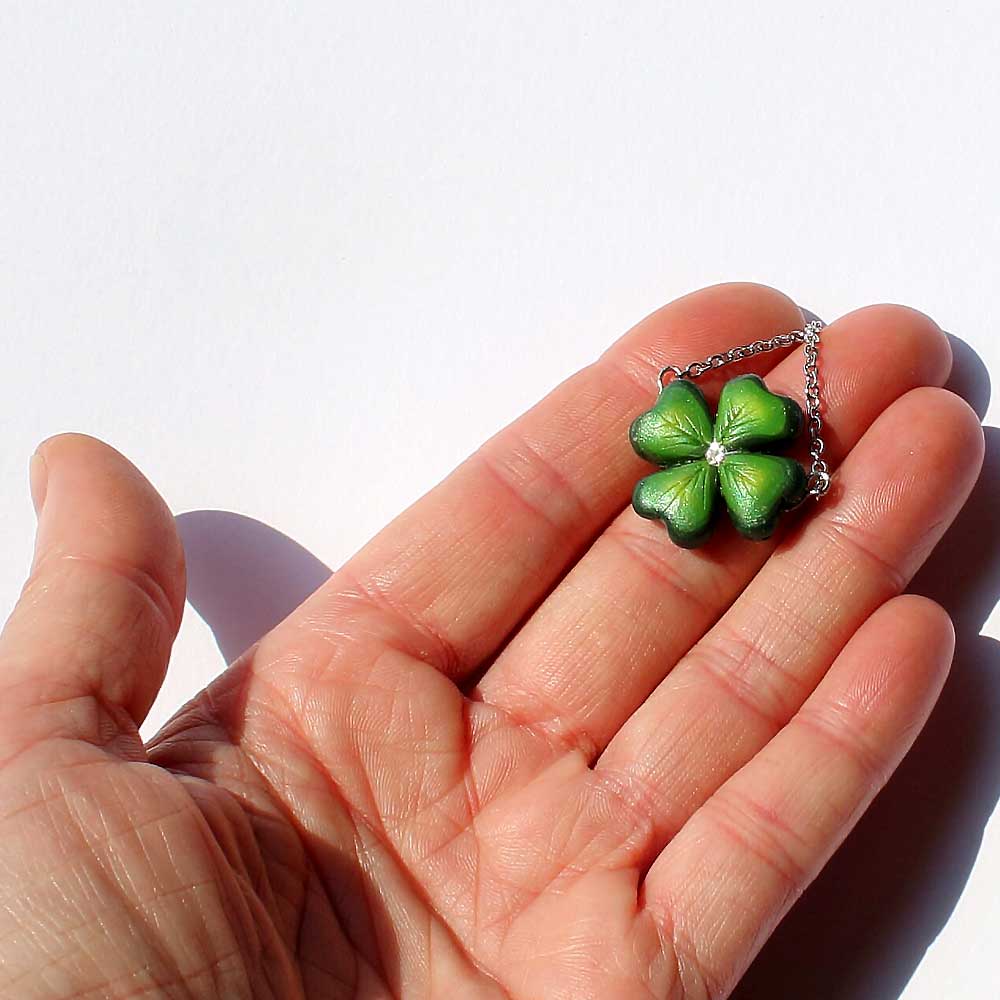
column 356, row 819
column 95, row 645
column 568, row 867
column 519, row 486
column 369, row 867
column 69, row 864
column 473, row 809
column 651, row 751
column 244, row 814
column 771, row 841
column 368, row 767
column 144, row 582
column 635, row 815
column 566, row 433
column 314, row 862
column 831, row 727
column 92, row 645
column 225, row 829
column 433, row 917
column 647, row 553
column 846, row 533
column 214, row 709
column 535, row 710
column 441, row 654
column 451, row 658
column 472, row 805
column 753, row 649
column 697, row 975
column 113, row 886
column 101, row 990
column 733, row 662
column 350, row 986
column 145, row 915
column 250, row 913
column 547, row 724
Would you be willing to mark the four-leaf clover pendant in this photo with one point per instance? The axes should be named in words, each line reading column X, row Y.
column 733, row 456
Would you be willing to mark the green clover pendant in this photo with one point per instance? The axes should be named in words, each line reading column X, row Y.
column 733, row 456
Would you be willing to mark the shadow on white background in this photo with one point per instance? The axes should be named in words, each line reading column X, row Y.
column 243, row 576
column 863, row 927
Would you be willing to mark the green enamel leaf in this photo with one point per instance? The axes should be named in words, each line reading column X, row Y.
column 757, row 488
column 751, row 416
column 684, row 497
column 677, row 428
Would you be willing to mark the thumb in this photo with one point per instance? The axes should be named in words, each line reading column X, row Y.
column 89, row 639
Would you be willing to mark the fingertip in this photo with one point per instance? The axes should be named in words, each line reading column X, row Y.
column 72, row 446
column 911, row 338
column 907, row 646
column 930, row 433
column 752, row 293
column 91, row 500
column 752, row 299
column 968, row 421
column 923, row 623
column 942, row 416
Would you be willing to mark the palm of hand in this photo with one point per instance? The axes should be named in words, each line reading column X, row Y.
column 387, row 830
column 615, row 809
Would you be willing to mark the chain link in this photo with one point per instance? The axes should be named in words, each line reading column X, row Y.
column 808, row 336
column 819, row 476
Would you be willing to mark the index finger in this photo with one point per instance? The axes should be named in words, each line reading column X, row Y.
column 453, row 575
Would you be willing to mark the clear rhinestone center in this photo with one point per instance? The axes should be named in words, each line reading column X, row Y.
column 715, row 453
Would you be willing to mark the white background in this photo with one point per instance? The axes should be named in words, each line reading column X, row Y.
column 247, row 243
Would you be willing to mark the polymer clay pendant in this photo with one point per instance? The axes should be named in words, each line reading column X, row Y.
column 736, row 458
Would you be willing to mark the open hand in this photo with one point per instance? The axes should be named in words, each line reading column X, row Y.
column 518, row 746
